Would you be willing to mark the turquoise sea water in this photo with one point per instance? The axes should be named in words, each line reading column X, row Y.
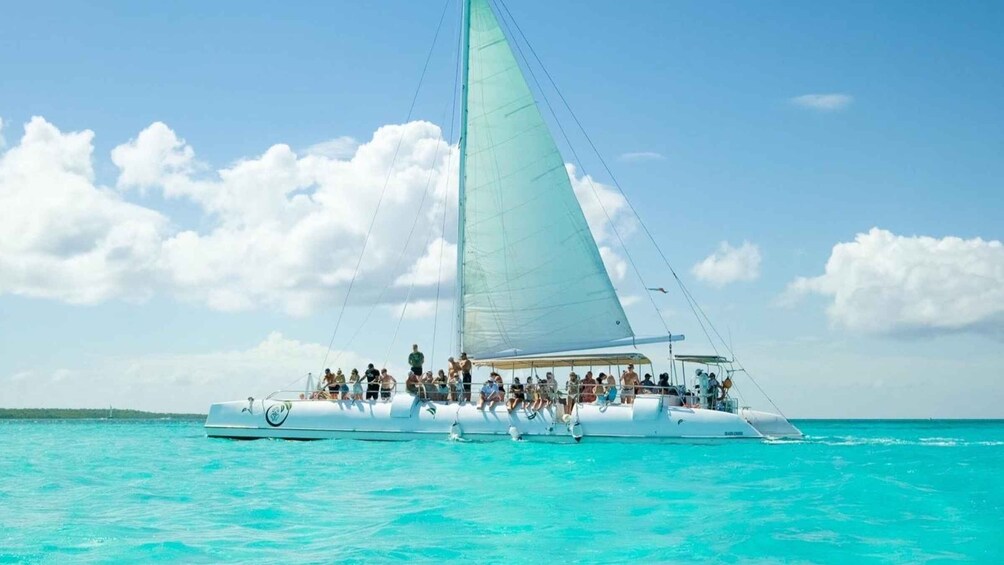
column 871, row 492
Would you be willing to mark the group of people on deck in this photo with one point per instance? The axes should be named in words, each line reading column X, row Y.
column 374, row 384
column 454, row 384
column 534, row 395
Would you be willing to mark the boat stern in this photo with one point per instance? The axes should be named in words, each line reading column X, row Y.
column 770, row 425
column 229, row 419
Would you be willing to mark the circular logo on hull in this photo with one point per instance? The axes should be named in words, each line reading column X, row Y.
column 276, row 414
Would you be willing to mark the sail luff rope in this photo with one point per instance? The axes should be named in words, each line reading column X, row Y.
column 446, row 191
column 428, row 236
column 695, row 308
column 383, row 191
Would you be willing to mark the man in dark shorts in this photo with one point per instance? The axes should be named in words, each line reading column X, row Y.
column 415, row 360
column 465, row 370
column 372, row 383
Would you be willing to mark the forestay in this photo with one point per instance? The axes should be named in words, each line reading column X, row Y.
column 533, row 280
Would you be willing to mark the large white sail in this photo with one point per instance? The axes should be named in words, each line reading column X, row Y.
column 531, row 280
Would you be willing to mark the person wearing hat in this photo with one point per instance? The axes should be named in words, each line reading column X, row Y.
column 713, row 391
column 343, row 388
column 489, row 390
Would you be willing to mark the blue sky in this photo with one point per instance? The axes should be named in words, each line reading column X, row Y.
column 706, row 87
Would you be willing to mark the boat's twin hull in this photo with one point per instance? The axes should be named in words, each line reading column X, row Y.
column 404, row 418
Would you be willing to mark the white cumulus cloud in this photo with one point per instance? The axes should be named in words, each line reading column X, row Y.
column 281, row 230
column 62, row 237
column 729, row 264
column 823, row 102
column 887, row 283
column 338, row 148
column 184, row 382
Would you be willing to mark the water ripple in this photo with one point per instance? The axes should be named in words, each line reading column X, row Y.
column 161, row 491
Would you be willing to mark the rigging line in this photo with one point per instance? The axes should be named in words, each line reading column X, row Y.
column 446, row 192
column 428, row 236
column 568, row 142
column 648, row 233
column 733, row 354
column 383, row 191
column 597, row 152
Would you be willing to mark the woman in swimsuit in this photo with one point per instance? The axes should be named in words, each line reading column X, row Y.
column 500, row 395
column 357, row 385
column 552, row 390
column 588, row 393
column 532, row 393
column 599, row 391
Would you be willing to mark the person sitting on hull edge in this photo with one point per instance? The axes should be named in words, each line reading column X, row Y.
column 500, row 395
column 411, row 383
column 573, row 391
column 517, row 394
column 488, row 392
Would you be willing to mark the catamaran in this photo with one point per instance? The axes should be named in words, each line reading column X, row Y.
column 532, row 290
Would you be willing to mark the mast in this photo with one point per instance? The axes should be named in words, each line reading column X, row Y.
column 461, row 199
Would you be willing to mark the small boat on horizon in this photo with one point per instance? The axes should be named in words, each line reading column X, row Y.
column 521, row 232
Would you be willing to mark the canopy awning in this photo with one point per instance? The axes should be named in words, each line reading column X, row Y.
column 548, row 361
column 705, row 359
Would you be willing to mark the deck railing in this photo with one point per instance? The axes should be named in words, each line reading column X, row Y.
column 426, row 392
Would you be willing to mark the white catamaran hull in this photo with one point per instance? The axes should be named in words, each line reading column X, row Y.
column 405, row 418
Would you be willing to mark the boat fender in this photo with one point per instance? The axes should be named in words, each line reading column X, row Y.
column 576, row 430
column 456, row 432
column 514, row 434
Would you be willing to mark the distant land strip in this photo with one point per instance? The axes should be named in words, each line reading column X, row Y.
column 90, row 414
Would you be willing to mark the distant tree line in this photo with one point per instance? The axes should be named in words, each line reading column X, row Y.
column 90, row 414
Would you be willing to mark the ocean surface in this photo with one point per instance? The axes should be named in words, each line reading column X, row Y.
column 851, row 492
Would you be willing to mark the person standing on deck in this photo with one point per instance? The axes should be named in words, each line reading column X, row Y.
column 387, row 384
column 416, row 359
column 629, row 384
column 465, row 370
column 372, row 383
column 712, row 391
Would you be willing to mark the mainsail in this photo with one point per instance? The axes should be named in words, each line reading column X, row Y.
column 531, row 279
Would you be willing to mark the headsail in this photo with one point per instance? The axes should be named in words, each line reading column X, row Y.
column 532, row 280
